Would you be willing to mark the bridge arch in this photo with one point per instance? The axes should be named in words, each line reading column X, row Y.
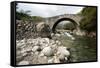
column 63, row 19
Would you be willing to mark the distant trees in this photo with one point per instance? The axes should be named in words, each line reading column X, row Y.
column 89, row 22
column 24, row 15
column 69, row 26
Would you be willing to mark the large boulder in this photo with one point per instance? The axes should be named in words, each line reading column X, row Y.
column 48, row 51
column 63, row 51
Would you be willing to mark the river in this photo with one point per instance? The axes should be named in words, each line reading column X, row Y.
column 82, row 49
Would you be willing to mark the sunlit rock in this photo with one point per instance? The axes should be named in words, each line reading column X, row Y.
column 42, row 59
column 52, row 34
column 48, row 51
column 40, row 51
column 58, row 42
column 20, row 43
column 56, row 59
column 63, row 51
column 69, row 35
column 66, row 58
column 23, row 63
column 50, row 60
column 46, row 40
column 35, row 48
column 57, row 35
column 61, row 57
column 36, row 53
column 41, row 54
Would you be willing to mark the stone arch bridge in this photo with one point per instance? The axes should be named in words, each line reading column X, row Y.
column 74, row 18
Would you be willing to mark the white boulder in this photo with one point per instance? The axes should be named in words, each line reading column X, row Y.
column 23, row 63
column 47, row 51
column 63, row 51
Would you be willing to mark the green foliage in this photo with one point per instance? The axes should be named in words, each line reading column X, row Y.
column 37, row 18
column 22, row 15
column 89, row 21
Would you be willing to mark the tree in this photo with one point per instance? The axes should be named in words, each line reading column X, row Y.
column 89, row 22
column 22, row 15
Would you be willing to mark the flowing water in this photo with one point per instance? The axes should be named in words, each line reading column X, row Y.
column 82, row 48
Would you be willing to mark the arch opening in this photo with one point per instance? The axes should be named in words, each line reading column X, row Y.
column 63, row 19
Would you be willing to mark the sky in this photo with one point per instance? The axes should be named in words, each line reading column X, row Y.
column 44, row 10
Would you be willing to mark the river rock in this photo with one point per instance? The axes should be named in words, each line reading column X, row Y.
column 47, row 51
column 46, row 40
column 57, row 35
column 35, row 48
column 43, row 59
column 63, row 51
column 61, row 57
column 50, row 60
column 58, row 42
column 40, row 51
column 23, row 63
column 52, row 42
column 56, row 59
